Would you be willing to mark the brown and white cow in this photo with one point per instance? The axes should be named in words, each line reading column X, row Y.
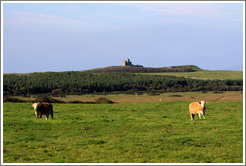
column 41, row 108
column 197, row 108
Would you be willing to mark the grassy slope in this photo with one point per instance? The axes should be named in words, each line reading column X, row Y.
column 199, row 74
column 134, row 132
column 194, row 67
column 207, row 74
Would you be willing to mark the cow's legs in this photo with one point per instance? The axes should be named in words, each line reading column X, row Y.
column 200, row 116
column 51, row 115
column 36, row 114
column 200, row 113
column 47, row 115
column 192, row 116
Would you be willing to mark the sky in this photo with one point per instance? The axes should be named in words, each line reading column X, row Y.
column 40, row 37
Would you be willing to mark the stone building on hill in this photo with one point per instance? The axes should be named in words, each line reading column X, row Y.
column 126, row 62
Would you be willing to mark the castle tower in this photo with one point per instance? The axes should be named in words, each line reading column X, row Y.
column 123, row 63
column 126, row 62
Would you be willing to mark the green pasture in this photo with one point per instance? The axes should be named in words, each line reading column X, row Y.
column 206, row 74
column 159, row 132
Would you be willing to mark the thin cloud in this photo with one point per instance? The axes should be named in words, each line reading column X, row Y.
column 209, row 11
column 32, row 18
column 70, row 8
column 114, row 16
column 77, row 10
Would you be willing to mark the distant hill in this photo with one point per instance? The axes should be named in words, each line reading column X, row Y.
column 136, row 69
column 193, row 67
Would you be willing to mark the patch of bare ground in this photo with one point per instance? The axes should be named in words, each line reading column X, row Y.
column 170, row 96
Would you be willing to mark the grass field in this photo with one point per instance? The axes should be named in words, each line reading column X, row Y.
column 157, row 132
column 206, row 74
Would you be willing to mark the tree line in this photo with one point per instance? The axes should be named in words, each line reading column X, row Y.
column 83, row 83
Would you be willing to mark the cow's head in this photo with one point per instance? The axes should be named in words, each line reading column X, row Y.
column 203, row 102
column 35, row 106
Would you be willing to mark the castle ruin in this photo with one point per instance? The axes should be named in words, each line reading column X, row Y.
column 127, row 62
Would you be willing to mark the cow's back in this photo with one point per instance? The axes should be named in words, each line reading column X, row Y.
column 194, row 107
column 45, row 108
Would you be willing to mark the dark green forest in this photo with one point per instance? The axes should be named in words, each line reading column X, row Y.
column 64, row 83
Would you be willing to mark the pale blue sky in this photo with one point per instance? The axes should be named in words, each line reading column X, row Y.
column 40, row 37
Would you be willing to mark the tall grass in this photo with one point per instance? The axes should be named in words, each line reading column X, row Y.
column 123, row 133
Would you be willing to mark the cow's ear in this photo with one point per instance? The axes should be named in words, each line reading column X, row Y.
column 199, row 102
